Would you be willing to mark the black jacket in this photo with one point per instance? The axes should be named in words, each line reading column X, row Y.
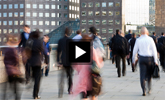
column 23, row 40
column 154, row 38
column 132, row 44
column 37, row 49
column 128, row 36
column 115, row 45
column 62, row 55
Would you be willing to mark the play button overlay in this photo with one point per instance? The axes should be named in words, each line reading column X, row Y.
column 79, row 51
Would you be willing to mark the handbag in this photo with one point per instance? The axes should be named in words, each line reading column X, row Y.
column 155, row 72
column 95, row 69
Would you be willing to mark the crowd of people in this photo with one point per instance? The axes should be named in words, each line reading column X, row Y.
column 35, row 51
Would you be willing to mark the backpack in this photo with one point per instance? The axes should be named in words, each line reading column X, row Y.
column 119, row 45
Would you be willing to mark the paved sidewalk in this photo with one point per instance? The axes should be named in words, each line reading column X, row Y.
column 114, row 88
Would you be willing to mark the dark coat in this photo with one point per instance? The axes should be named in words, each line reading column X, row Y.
column 23, row 40
column 132, row 44
column 128, row 36
column 62, row 48
column 154, row 38
column 36, row 53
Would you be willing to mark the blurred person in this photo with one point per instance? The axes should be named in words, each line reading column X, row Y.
column 82, row 82
column 62, row 59
column 47, row 50
column 131, row 47
column 24, row 37
column 146, row 49
column 111, row 48
column 139, row 35
column 161, row 48
column 11, row 61
column 154, row 37
column 120, row 50
column 35, row 61
column 128, row 36
column 78, row 36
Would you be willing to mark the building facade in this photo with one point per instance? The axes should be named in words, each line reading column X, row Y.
column 105, row 15
column 45, row 15
column 152, row 12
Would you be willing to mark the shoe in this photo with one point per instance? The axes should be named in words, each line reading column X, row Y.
column 37, row 97
column 119, row 76
column 144, row 94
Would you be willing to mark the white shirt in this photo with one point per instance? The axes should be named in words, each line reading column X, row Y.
column 146, row 47
column 77, row 37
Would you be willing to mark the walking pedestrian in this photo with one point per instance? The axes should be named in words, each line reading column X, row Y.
column 111, row 45
column 62, row 56
column 78, row 36
column 120, row 51
column 24, row 37
column 146, row 49
column 128, row 36
column 35, row 61
column 47, row 50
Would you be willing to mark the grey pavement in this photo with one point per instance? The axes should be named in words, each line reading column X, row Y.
column 114, row 88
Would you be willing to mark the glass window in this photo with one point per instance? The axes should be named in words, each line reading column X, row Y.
column 90, row 4
column 58, row 6
column 65, row 7
column 4, row 31
column 59, row 15
column 28, row 14
column 46, row 6
column 4, row 6
column 10, row 15
column 46, row 14
column 83, row 22
column 53, row 15
column 21, row 14
column 90, row 22
column 16, row 6
column 28, row 22
column 15, row 14
column 4, row 14
column 83, row 13
column 97, row 22
column 117, row 4
column 104, row 22
column 0, row 23
column 117, row 13
column 34, row 22
column 46, row 22
column 84, row 5
column 15, row 30
column 28, row 6
column 5, row 39
column 40, row 22
column 21, row 22
column 10, row 31
column 97, row 13
column 84, row 30
column 34, row 14
column 90, row 13
column 46, row 30
column 4, row 22
column 66, row 15
column 117, row 22
column 110, row 30
column 10, row 6
column 110, row 4
column 10, row 22
column 110, row 13
column 110, row 22
column 98, row 30
column 97, row 4
column 40, row 6
column 0, row 7
column 77, row 8
column 34, row 6
column 58, row 22
column 53, row 6
column 0, row 15
column 103, row 4
column 103, row 30
column 0, row 31
column 104, row 13
column 40, row 14
column 15, row 22
column 72, row 7
column 53, row 23
column 21, row 5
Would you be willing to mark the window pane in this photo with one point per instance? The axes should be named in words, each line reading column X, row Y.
column 46, row 6
column 16, row 14
column 21, row 5
column 90, row 4
column 4, row 6
column 4, row 22
column 10, row 22
column 83, row 13
column 40, row 14
column 4, row 14
column 41, row 6
column 65, row 15
column 117, row 4
column 97, row 13
column 53, row 23
column 83, row 30
column 10, row 15
column 10, row 31
column 34, row 14
column 16, row 6
column 104, row 13
column 34, row 22
column 46, row 22
column 97, row 22
column 110, row 4
column 28, row 6
column 110, row 22
column 110, row 13
column 21, row 14
column 104, row 22
column 90, row 13
column 84, row 5
column 104, row 4
column 53, row 15
column 97, row 4
column 117, row 22
column 4, row 31
column 65, row 7
column 10, row 6
column 15, row 30
column 21, row 22
column 117, row 13
column 83, row 22
column 40, row 22
column 90, row 22
column 35, row 6
column 28, row 22
column 15, row 22
column 98, row 30
column 103, row 30
column 110, row 31
column 53, row 6
column 46, row 14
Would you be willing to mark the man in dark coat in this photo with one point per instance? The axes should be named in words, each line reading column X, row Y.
column 62, row 58
column 120, row 51
column 24, row 37
column 128, row 36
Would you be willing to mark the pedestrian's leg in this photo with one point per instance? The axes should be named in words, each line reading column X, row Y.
column 69, row 72
column 61, row 83
column 27, row 72
column 124, row 66
column 47, row 70
column 117, row 58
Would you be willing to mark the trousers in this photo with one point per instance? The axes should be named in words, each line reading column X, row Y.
column 118, row 58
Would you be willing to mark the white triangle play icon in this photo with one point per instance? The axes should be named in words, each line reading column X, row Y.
column 79, row 52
